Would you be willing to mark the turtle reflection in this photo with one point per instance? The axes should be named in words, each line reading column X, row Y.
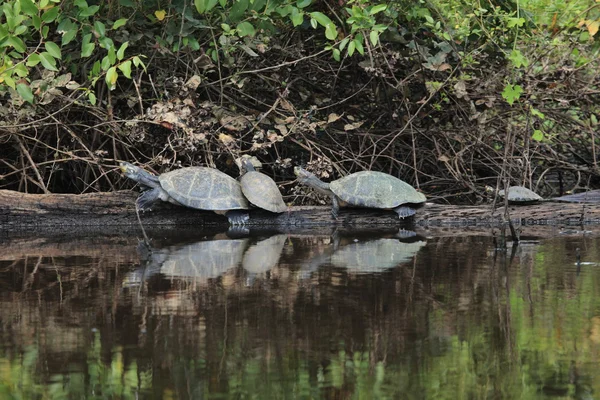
column 208, row 259
column 375, row 255
column 264, row 255
column 203, row 260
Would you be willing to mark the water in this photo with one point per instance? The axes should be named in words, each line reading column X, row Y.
column 297, row 316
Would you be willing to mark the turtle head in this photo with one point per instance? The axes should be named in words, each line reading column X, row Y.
column 130, row 170
column 247, row 164
column 138, row 174
column 303, row 175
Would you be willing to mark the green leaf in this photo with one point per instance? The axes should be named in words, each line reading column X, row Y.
column 121, row 51
column 112, row 56
column 359, row 46
column 330, row 31
column 33, row 60
column 106, row 43
column 512, row 22
column 538, row 135
column 537, row 113
column 237, row 10
column 518, row 59
column 119, row 23
column 69, row 36
column 21, row 70
column 200, row 6
column 100, row 28
column 511, row 93
column 3, row 32
column 92, row 98
column 336, row 55
column 53, row 49
column 303, row 3
column 297, row 17
column 48, row 61
column 378, row 8
column 351, row 48
column 50, row 15
column 111, row 77
column 314, row 23
column 37, row 21
column 126, row 68
column 15, row 43
column 87, row 49
column 29, row 8
column 210, row 4
column 96, row 68
column 20, row 30
column 245, row 29
column 45, row 30
column 344, row 43
column 9, row 81
column 137, row 62
column 25, row 92
column 88, row 12
column 105, row 64
column 321, row 18
column 374, row 37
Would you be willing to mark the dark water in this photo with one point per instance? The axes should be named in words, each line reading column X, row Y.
column 298, row 316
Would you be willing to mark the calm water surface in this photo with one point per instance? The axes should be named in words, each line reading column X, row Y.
column 298, row 316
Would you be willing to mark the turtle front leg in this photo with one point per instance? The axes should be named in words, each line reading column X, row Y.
column 404, row 211
column 335, row 207
column 146, row 199
column 237, row 217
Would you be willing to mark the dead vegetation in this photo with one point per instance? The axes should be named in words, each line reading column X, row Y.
column 444, row 128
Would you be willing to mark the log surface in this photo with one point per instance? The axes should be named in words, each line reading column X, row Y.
column 21, row 211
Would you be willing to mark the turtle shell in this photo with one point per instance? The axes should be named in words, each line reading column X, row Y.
column 520, row 194
column 204, row 188
column 375, row 190
column 262, row 191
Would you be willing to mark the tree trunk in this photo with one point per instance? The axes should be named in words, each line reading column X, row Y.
column 21, row 211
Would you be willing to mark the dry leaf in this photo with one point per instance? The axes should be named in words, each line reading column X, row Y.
column 234, row 123
column 193, row 82
column 226, row 139
column 460, row 89
column 443, row 158
column 282, row 129
column 350, row 127
column 593, row 27
column 286, row 105
column 333, row 117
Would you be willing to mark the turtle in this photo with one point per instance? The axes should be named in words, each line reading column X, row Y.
column 201, row 188
column 520, row 195
column 261, row 190
column 370, row 189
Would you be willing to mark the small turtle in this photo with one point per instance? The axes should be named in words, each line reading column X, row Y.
column 366, row 189
column 260, row 189
column 195, row 187
column 521, row 195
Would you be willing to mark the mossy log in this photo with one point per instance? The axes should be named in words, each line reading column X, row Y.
column 21, row 211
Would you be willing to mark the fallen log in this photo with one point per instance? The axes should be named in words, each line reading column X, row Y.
column 22, row 211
